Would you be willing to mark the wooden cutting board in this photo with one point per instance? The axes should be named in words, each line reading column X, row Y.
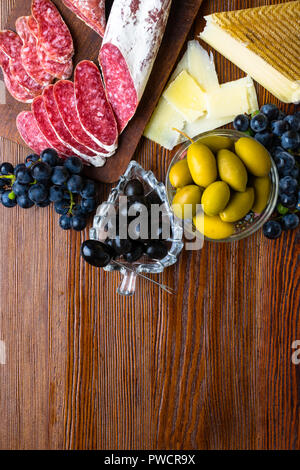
column 87, row 44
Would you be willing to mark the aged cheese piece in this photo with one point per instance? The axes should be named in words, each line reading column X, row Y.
column 231, row 98
column 264, row 42
column 161, row 126
column 187, row 98
column 201, row 66
column 204, row 124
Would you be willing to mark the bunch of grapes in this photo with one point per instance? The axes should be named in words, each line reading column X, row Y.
column 46, row 178
column 280, row 134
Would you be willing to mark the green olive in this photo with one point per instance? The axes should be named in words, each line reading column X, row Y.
column 239, row 205
column 232, row 170
column 202, row 164
column 262, row 189
column 254, row 155
column 217, row 142
column 212, row 226
column 185, row 201
column 180, row 174
column 215, row 197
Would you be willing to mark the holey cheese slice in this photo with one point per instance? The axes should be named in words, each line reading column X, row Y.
column 186, row 97
column 262, row 41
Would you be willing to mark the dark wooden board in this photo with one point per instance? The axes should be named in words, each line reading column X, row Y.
column 87, row 45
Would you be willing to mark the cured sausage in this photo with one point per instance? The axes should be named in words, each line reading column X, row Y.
column 92, row 12
column 57, row 69
column 61, row 129
column 15, row 89
column 95, row 113
column 30, row 132
column 132, row 38
column 65, row 99
column 53, row 34
column 11, row 45
column 44, row 124
column 29, row 54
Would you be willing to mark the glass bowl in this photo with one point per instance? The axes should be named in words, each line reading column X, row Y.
column 145, row 265
column 251, row 222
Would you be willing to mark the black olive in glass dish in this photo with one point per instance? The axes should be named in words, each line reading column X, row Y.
column 121, row 246
column 153, row 198
column 155, row 249
column 134, row 187
column 135, row 254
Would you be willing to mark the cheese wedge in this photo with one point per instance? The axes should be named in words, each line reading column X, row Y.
column 186, row 97
column 201, row 66
column 160, row 127
column 262, row 41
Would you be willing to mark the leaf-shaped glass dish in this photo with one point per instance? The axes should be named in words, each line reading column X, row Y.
column 145, row 264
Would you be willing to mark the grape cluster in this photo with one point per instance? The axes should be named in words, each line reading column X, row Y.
column 46, row 178
column 280, row 134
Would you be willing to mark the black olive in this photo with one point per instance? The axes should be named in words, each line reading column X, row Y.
column 110, row 244
column 95, row 253
column 135, row 254
column 121, row 245
column 134, row 188
column 153, row 198
column 156, row 249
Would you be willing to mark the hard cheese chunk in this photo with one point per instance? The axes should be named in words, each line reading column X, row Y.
column 227, row 100
column 201, row 66
column 232, row 98
column 160, row 127
column 186, row 97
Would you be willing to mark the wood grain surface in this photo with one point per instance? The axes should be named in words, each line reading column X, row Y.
column 87, row 44
column 207, row 368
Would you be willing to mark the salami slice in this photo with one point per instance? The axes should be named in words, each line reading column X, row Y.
column 65, row 98
column 92, row 12
column 29, row 53
column 95, row 113
column 62, row 131
column 13, row 86
column 53, row 34
column 11, row 45
column 30, row 132
column 44, row 124
column 57, row 69
column 129, row 49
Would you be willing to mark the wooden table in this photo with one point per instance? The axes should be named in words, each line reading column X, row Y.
column 208, row 368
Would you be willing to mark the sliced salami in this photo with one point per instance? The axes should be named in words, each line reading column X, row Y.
column 15, row 89
column 95, row 113
column 53, row 33
column 44, row 124
column 11, row 45
column 30, row 132
column 131, row 42
column 57, row 69
column 92, row 12
column 62, row 131
column 29, row 54
column 65, row 98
